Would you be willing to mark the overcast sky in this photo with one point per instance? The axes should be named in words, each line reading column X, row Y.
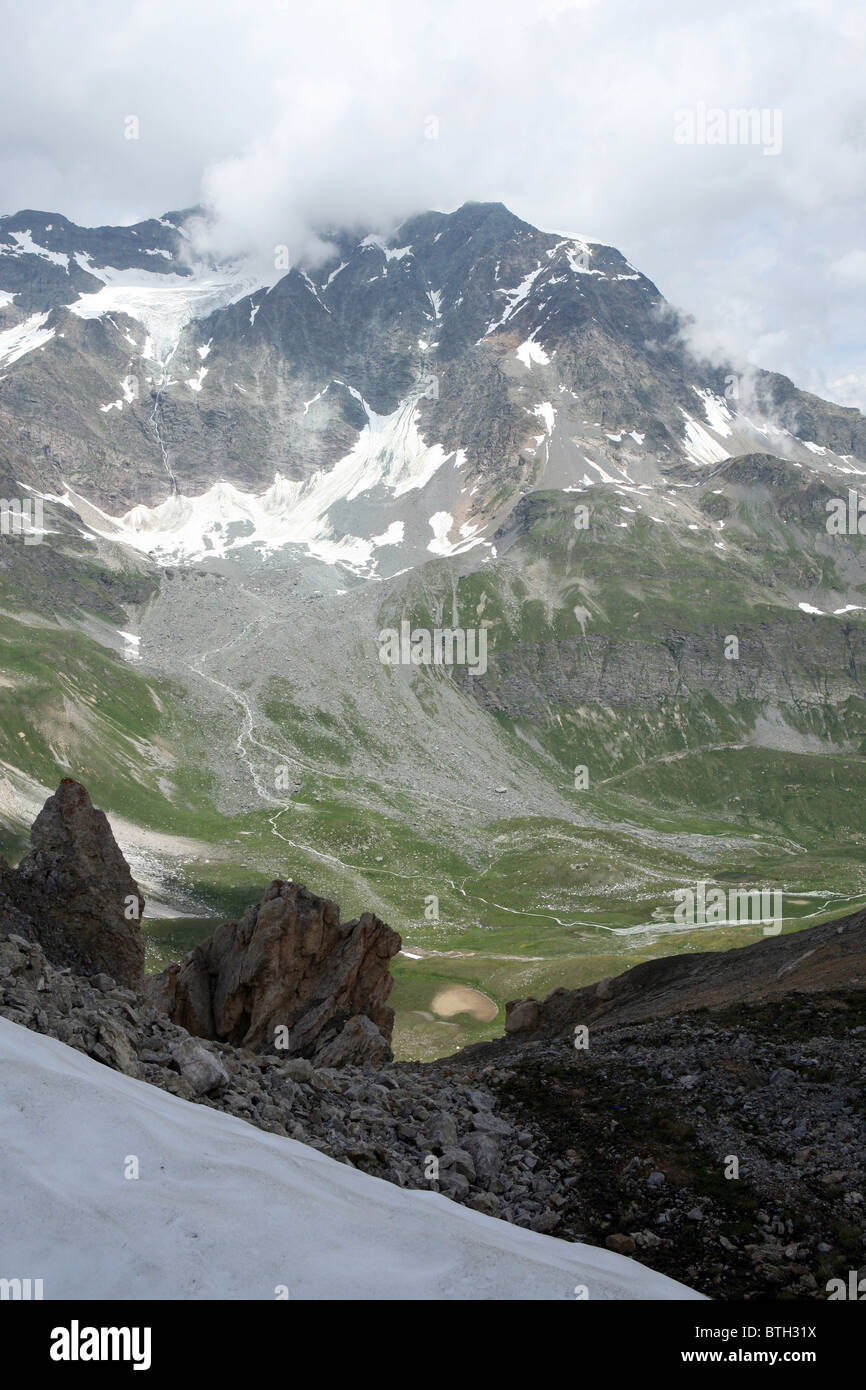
column 578, row 114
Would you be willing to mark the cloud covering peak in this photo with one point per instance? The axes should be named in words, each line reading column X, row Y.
column 285, row 120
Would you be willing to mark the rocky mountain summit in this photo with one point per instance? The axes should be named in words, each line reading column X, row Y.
column 393, row 402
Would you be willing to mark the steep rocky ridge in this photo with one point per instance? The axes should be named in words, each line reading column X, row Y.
column 831, row 957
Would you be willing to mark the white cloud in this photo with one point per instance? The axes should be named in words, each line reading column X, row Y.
column 849, row 389
column 289, row 120
column 850, row 268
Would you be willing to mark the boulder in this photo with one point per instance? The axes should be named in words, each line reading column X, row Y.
column 359, row 1043
column 621, row 1243
column 204, row 1071
column 521, row 1016
column 289, row 977
column 441, row 1132
column 116, row 1050
column 486, row 1153
column 73, row 892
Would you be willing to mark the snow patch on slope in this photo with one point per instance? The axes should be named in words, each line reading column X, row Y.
column 163, row 304
column 700, row 446
column 516, row 299
column 530, row 352
column 223, row 1210
column 716, row 409
column 24, row 338
column 389, row 455
column 26, row 246
column 441, row 524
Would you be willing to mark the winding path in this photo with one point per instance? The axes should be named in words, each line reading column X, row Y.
column 247, row 736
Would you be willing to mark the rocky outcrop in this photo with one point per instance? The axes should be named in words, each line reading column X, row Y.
column 827, row 957
column 73, row 891
column 289, row 977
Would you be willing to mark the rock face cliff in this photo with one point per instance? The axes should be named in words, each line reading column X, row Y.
column 289, row 975
column 73, row 892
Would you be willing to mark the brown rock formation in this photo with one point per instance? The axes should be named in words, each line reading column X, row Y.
column 73, row 891
column 289, row 965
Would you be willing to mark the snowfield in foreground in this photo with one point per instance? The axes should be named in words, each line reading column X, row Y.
column 224, row 1210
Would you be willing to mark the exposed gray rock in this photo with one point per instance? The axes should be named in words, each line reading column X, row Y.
column 299, row 1068
column 441, row 1132
column 73, row 891
column 116, row 1050
column 204, row 1071
column 486, row 1153
column 491, row 1124
column 358, row 1042
column 461, row 1161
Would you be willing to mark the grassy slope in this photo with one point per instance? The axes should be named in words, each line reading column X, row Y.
column 759, row 816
